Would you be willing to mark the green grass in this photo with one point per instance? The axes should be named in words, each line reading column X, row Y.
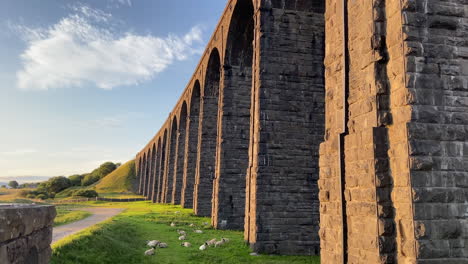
column 122, row 239
column 120, row 180
column 67, row 216
column 67, row 192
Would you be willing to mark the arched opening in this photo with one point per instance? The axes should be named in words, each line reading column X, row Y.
column 172, row 158
column 233, row 148
column 157, row 174
column 146, row 171
column 143, row 175
column 152, row 170
column 191, row 143
column 163, row 175
column 179, row 163
column 139, row 175
column 207, row 138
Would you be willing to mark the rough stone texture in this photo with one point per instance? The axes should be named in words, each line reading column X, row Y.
column 232, row 154
column 285, row 87
column 191, row 144
column 179, row 162
column 26, row 233
column 207, row 134
column 171, row 173
column 401, row 196
column 286, row 129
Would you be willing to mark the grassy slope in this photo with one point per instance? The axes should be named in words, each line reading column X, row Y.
column 119, row 181
column 123, row 238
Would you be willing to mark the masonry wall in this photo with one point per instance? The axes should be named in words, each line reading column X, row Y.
column 286, row 129
column 397, row 109
column 26, row 234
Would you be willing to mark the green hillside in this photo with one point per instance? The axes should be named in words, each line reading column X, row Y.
column 121, row 180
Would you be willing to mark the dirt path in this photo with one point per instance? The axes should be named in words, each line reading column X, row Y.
column 99, row 215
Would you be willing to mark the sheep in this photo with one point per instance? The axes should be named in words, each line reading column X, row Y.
column 149, row 252
column 211, row 242
column 181, row 232
column 162, row 245
column 153, row 243
column 183, row 237
column 191, row 225
column 186, row 244
column 221, row 242
column 203, row 247
column 198, row 231
column 172, row 224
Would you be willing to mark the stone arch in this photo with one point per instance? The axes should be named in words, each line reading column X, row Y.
column 228, row 208
column 157, row 178
column 172, row 154
column 163, row 169
column 206, row 158
column 180, row 157
column 139, row 174
column 152, row 170
column 145, row 175
column 191, row 143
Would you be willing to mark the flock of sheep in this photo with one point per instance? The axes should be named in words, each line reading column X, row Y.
column 153, row 244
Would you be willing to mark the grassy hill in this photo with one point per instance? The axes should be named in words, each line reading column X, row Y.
column 121, row 180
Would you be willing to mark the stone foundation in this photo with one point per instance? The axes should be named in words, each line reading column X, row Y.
column 26, row 233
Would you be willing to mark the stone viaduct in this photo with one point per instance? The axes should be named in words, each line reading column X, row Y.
column 370, row 95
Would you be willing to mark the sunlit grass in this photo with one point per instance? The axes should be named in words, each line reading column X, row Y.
column 123, row 239
column 67, row 216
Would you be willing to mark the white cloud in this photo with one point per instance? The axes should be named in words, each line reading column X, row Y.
column 83, row 49
column 118, row 3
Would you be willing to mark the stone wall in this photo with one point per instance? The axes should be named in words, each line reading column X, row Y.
column 391, row 174
column 26, row 233
column 392, row 122
column 282, row 210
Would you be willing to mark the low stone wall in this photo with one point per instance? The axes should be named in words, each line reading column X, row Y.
column 26, row 233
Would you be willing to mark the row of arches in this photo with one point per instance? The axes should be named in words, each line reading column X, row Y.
column 201, row 157
column 241, row 145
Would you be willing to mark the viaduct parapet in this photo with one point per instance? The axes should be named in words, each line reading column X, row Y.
column 326, row 126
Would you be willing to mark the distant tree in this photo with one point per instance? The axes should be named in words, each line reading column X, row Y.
column 13, row 184
column 85, row 193
column 98, row 173
column 55, row 184
column 3, row 186
column 75, row 180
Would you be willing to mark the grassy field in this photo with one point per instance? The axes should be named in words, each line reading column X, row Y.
column 66, row 216
column 7, row 195
column 123, row 239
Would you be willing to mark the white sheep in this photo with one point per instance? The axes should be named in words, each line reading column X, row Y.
column 162, row 245
column 198, row 231
column 181, row 232
column 149, row 252
column 211, row 242
column 153, row 243
column 183, row 237
column 186, row 244
column 203, row 247
column 172, row 224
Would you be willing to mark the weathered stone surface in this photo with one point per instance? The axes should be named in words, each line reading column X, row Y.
column 26, row 233
column 398, row 197
column 394, row 137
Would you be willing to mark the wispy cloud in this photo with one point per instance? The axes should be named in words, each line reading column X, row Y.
column 119, row 3
column 84, row 48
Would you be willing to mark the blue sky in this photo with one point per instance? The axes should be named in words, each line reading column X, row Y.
column 84, row 82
